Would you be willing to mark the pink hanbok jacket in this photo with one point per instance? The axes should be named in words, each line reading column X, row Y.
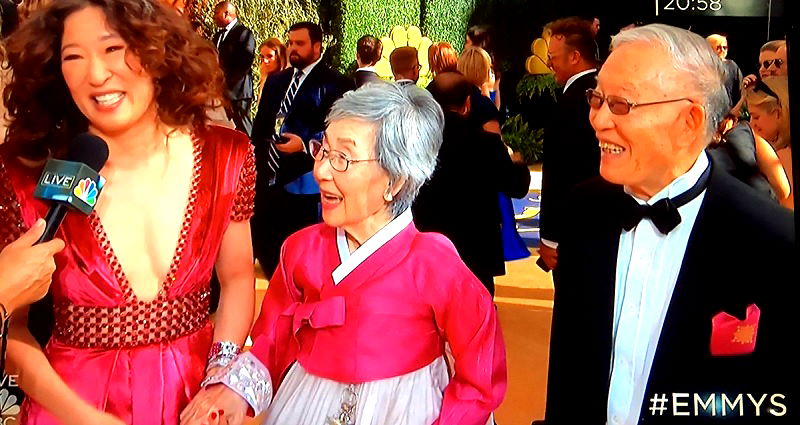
column 388, row 314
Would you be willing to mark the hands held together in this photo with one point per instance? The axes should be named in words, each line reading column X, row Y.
column 215, row 405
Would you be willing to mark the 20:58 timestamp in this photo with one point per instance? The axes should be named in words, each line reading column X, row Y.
column 688, row 5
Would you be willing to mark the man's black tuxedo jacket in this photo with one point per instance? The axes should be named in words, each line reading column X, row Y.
column 236, row 54
column 571, row 153
column 741, row 251
column 460, row 201
column 363, row 77
column 306, row 117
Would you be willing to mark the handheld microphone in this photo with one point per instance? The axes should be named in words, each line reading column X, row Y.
column 73, row 183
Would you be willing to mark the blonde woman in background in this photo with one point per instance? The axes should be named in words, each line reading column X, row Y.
column 768, row 103
column 480, row 36
column 475, row 64
column 271, row 59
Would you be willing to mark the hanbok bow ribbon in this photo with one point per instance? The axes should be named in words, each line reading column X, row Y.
column 317, row 314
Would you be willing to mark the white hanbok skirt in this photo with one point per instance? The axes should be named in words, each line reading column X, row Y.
column 411, row 399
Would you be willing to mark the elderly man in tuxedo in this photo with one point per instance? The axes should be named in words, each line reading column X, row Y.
column 660, row 297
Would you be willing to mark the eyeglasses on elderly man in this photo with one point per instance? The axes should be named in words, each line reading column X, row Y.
column 618, row 105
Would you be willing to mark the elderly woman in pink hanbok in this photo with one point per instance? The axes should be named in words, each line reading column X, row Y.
column 354, row 323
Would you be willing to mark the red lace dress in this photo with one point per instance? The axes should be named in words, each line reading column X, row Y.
column 141, row 361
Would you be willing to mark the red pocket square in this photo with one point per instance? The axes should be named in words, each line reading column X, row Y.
column 733, row 337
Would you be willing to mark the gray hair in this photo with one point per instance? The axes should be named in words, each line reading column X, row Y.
column 408, row 133
column 691, row 56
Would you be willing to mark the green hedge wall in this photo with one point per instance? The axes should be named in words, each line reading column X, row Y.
column 376, row 17
column 345, row 21
column 447, row 20
column 266, row 18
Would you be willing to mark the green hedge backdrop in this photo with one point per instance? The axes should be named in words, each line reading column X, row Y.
column 446, row 20
column 376, row 17
column 345, row 21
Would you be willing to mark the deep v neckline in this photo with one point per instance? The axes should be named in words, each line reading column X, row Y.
column 166, row 282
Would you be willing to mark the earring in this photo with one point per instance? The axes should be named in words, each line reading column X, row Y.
column 387, row 196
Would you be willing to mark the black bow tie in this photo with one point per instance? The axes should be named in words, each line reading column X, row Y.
column 664, row 213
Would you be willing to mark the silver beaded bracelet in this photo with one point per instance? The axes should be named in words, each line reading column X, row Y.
column 222, row 353
column 248, row 378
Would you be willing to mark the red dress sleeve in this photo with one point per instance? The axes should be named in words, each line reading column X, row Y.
column 11, row 225
column 246, row 189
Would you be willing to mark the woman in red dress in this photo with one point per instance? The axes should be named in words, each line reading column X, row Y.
column 132, row 336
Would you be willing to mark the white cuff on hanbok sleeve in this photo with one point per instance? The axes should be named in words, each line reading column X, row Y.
column 248, row 378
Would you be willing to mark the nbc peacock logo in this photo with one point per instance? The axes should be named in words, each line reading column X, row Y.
column 86, row 190
column 8, row 407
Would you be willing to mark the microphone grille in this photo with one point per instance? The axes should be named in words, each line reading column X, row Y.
column 88, row 149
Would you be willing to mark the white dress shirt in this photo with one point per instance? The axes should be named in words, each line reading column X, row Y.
column 648, row 263
column 576, row 76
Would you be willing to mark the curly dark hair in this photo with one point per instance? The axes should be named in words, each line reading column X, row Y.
column 43, row 116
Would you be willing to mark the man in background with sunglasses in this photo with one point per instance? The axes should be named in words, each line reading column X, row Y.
column 570, row 152
column 733, row 79
column 771, row 62
column 659, row 297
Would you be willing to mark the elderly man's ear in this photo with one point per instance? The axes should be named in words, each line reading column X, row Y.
column 695, row 122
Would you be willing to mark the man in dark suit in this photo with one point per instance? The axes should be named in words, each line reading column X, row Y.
column 661, row 316
column 236, row 47
column 473, row 166
column 368, row 53
column 571, row 154
column 291, row 113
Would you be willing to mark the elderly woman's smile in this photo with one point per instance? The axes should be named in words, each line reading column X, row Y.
column 330, row 200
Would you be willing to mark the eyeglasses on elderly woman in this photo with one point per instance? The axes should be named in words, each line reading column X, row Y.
column 338, row 160
column 618, row 105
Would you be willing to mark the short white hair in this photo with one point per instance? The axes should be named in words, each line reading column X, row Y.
column 691, row 56
column 409, row 125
